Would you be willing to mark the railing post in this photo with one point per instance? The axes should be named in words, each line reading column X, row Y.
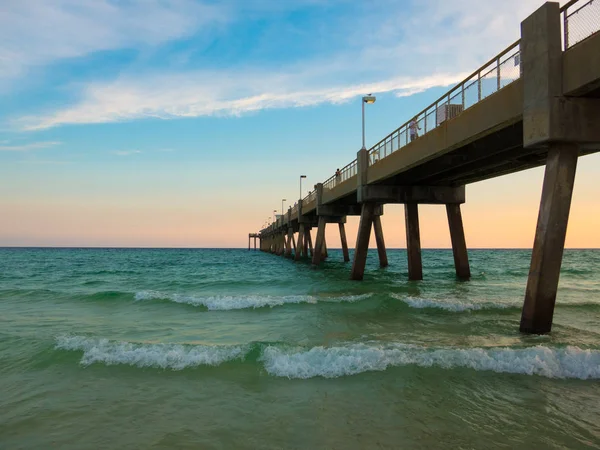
column 498, row 78
column 479, row 86
column 566, row 29
column 463, row 96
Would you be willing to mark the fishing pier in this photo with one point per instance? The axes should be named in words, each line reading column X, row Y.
column 535, row 103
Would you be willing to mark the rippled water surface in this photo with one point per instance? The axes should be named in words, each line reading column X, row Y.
column 106, row 348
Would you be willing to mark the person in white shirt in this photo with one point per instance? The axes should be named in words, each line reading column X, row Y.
column 413, row 127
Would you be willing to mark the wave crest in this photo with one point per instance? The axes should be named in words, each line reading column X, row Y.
column 164, row 356
column 333, row 362
column 228, row 302
column 454, row 306
column 343, row 360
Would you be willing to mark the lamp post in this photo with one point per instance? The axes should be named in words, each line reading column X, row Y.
column 366, row 99
column 301, row 176
column 282, row 200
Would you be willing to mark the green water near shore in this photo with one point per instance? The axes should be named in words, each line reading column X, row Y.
column 107, row 348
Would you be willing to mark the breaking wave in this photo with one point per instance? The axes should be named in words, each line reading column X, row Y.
column 164, row 356
column 455, row 306
column 226, row 302
column 333, row 362
column 343, row 360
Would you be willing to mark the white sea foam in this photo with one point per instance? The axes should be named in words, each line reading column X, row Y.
column 455, row 306
column 164, row 356
column 226, row 302
column 332, row 362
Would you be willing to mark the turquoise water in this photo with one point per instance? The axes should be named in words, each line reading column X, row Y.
column 223, row 349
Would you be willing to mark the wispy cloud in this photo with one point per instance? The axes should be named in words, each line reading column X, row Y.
column 34, row 33
column 397, row 56
column 26, row 147
column 44, row 162
column 171, row 97
column 126, row 152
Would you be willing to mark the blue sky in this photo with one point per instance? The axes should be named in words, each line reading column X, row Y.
column 121, row 121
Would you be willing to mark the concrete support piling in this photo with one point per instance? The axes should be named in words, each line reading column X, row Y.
column 300, row 249
column 459, row 245
column 383, row 261
column 309, row 242
column 549, row 243
column 344, row 242
column 362, row 241
column 413, row 241
column 290, row 239
column 318, row 250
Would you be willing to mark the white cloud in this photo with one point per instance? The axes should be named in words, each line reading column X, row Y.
column 34, row 32
column 26, row 147
column 126, row 152
column 437, row 45
column 172, row 97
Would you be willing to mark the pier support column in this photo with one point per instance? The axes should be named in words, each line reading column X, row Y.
column 324, row 254
column 344, row 242
column 549, row 243
column 318, row 250
column 290, row 236
column 309, row 246
column 281, row 245
column 413, row 241
column 383, row 261
column 299, row 252
column 459, row 245
column 362, row 241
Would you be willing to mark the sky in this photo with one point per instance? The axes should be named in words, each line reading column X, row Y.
column 184, row 123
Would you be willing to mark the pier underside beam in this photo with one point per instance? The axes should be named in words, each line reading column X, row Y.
column 383, row 261
column 459, row 245
column 362, row 241
column 549, row 243
column 344, row 242
column 413, row 241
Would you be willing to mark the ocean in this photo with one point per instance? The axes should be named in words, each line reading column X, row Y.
column 238, row 349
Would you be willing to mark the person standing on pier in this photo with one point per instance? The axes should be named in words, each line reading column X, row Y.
column 414, row 126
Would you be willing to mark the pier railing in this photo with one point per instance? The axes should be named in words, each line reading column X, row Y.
column 497, row 73
column 312, row 195
column 347, row 172
column 581, row 19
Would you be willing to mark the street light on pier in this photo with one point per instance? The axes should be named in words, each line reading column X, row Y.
column 366, row 99
column 282, row 200
column 301, row 176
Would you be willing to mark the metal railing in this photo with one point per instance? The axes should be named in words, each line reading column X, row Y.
column 312, row 195
column 346, row 172
column 581, row 19
column 490, row 78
